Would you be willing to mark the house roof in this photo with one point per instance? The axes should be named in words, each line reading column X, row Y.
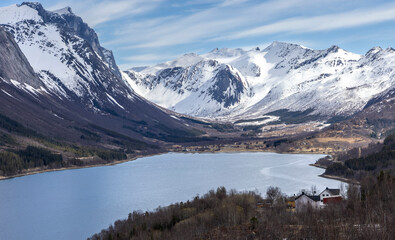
column 312, row 197
column 333, row 191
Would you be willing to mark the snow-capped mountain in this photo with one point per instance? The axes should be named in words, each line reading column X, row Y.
column 53, row 72
column 63, row 51
column 327, row 83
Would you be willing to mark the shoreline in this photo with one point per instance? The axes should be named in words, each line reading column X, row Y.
column 34, row 172
column 235, row 150
column 342, row 179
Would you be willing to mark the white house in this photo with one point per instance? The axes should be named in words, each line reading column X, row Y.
column 317, row 201
column 303, row 201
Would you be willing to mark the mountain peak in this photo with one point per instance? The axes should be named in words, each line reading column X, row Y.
column 333, row 48
column 35, row 5
column 283, row 49
column 32, row 4
column 276, row 45
column 186, row 60
column 224, row 53
column 214, row 50
column 373, row 51
column 281, row 44
column 63, row 11
column 190, row 55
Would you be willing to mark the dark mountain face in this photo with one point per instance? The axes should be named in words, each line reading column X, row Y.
column 13, row 64
column 226, row 81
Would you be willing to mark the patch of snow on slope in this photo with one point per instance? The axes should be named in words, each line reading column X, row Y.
column 4, row 91
column 15, row 83
column 114, row 101
column 266, row 120
column 24, row 86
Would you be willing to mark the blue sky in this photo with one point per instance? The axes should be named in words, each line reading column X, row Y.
column 145, row 32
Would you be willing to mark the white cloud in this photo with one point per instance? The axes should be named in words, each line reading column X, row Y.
column 195, row 2
column 321, row 23
column 227, row 3
column 95, row 12
column 203, row 25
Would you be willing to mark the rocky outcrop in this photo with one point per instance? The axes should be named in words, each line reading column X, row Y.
column 13, row 64
column 228, row 87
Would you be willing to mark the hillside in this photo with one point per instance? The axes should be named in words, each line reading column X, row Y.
column 361, row 162
column 231, row 215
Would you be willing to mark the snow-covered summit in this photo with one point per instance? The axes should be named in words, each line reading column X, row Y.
column 183, row 61
column 224, row 54
column 283, row 46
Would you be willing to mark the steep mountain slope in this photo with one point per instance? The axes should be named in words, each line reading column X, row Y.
column 13, row 63
column 283, row 76
column 56, row 79
column 64, row 52
column 214, row 86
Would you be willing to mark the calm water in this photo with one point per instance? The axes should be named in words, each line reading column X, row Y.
column 75, row 204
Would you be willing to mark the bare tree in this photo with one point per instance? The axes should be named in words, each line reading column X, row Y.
column 275, row 196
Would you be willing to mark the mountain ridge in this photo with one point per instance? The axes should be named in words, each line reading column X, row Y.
column 332, row 82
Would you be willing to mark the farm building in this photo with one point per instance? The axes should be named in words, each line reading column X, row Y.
column 303, row 201
column 318, row 201
column 330, row 196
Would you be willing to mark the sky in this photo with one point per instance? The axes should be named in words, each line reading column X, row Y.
column 147, row 32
